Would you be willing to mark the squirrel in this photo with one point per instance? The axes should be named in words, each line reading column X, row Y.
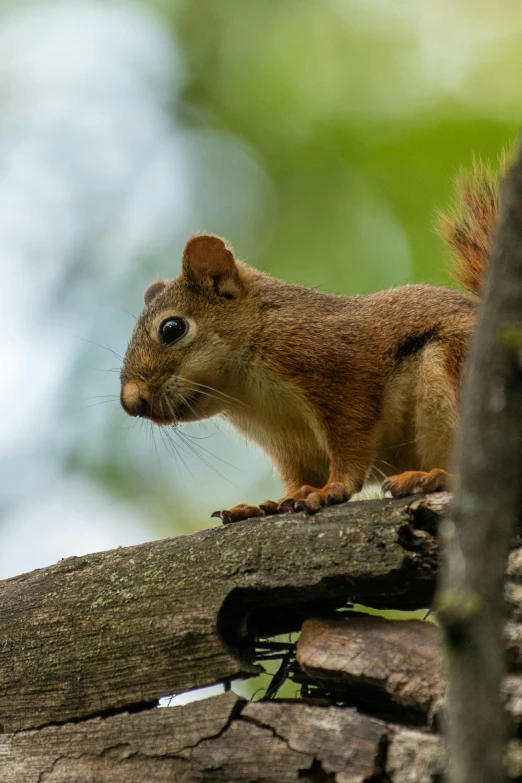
column 339, row 391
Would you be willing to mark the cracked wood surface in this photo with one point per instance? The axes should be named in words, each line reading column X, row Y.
column 122, row 628
column 416, row 757
column 222, row 739
column 227, row 740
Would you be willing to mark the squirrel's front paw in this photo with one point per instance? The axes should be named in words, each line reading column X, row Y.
column 238, row 513
column 311, row 499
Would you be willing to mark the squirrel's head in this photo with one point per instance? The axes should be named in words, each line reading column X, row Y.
column 184, row 351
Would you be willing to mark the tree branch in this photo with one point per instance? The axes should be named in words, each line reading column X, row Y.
column 119, row 629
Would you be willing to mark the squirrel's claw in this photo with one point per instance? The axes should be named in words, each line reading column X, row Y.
column 238, row 513
column 311, row 499
column 285, row 505
column 270, row 507
column 311, row 504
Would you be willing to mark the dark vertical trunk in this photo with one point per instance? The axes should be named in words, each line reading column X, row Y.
column 476, row 537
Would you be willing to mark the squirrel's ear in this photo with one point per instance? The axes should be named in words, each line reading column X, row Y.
column 153, row 290
column 207, row 259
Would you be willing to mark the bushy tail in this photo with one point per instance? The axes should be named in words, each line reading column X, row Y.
column 469, row 226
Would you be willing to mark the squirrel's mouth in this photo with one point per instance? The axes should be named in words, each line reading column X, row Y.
column 182, row 411
column 186, row 410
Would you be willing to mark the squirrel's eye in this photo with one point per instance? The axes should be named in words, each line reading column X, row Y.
column 172, row 329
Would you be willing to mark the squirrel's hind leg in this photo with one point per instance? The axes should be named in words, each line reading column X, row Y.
column 414, row 482
column 435, row 421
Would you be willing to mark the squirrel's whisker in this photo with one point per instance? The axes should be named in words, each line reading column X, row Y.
column 193, row 450
column 94, row 404
column 184, row 436
column 167, row 444
column 212, row 396
column 200, row 437
column 105, row 348
column 375, row 469
column 190, row 446
column 105, row 369
column 171, row 447
column 129, row 313
column 187, row 403
column 153, row 435
column 211, row 388
column 177, row 448
column 99, row 396
column 207, row 394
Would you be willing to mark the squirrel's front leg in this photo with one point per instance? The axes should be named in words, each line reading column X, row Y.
column 351, row 454
column 293, row 474
column 238, row 513
column 295, row 470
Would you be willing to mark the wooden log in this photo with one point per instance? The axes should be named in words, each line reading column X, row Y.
column 148, row 746
column 338, row 740
column 119, row 629
column 227, row 740
column 361, row 657
column 207, row 740
column 400, row 659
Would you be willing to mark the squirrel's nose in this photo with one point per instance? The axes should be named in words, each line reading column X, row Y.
column 135, row 398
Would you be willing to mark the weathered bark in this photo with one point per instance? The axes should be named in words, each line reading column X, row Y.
column 119, row 629
column 487, row 500
column 415, row 757
column 360, row 659
column 337, row 740
column 219, row 739
column 512, row 696
column 513, row 587
column 399, row 659
column 225, row 739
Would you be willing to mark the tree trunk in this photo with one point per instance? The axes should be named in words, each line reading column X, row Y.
column 476, row 537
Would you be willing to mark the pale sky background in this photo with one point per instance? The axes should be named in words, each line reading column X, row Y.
column 94, row 176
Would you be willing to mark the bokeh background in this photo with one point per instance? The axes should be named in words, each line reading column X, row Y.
column 319, row 137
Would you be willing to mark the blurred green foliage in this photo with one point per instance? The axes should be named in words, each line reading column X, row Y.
column 360, row 139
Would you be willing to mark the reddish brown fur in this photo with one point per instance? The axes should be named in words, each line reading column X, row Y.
column 468, row 228
column 153, row 290
column 337, row 390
